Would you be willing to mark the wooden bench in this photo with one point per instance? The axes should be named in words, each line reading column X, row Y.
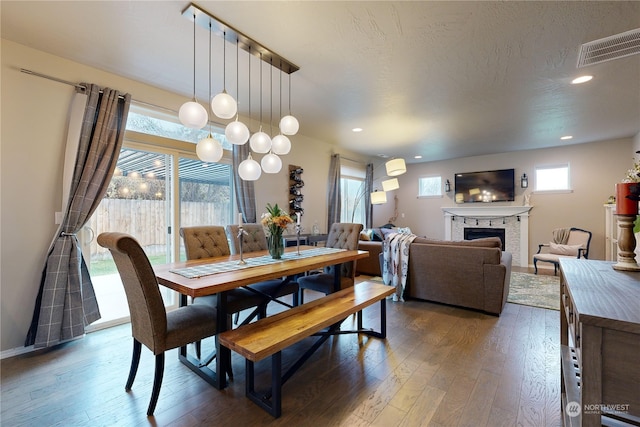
column 321, row 317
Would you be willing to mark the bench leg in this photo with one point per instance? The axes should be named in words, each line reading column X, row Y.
column 270, row 402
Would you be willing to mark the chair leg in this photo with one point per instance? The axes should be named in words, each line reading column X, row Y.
column 535, row 265
column 157, row 383
column 135, row 361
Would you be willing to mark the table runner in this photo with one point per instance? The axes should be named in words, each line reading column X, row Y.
column 222, row 267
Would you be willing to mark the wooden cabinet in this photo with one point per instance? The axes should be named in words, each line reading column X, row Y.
column 600, row 342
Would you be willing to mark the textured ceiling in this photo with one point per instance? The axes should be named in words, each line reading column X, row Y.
column 439, row 79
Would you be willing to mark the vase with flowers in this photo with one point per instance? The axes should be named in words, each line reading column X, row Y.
column 275, row 220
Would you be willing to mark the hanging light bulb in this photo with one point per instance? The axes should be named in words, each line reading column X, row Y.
column 223, row 104
column 237, row 132
column 260, row 142
column 249, row 169
column 209, row 149
column 271, row 163
column 288, row 124
column 280, row 144
column 192, row 114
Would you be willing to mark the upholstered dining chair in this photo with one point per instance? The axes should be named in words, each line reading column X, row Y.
column 255, row 240
column 210, row 241
column 151, row 325
column 342, row 235
column 568, row 243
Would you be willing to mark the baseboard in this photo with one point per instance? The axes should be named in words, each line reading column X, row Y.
column 15, row 352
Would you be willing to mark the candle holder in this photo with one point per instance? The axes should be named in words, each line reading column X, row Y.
column 241, row 233
column 626, row 244
column 298, row 228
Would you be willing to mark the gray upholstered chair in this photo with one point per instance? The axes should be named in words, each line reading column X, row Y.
column 343, row 236
column 568, row 243
column 256, row 240
column 211, row 241
column 151, row 325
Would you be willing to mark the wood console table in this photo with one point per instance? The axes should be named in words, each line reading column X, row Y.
column 600, row 342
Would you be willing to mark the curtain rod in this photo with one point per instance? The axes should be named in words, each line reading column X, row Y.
column 79, row 86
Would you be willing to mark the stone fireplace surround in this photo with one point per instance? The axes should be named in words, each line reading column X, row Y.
column 514, row 219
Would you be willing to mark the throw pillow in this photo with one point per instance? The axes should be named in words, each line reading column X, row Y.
column 376, row 235
column 404, row 230
column 568, row 250
column 364, row 235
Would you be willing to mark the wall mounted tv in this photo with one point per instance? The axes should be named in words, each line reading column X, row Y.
column 485, row 186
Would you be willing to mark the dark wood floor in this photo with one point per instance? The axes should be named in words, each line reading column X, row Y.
column 440, row 366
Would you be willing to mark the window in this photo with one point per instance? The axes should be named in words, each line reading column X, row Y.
column 159, row 185
column 552, row 178
column 352, row 189
column 430, row 186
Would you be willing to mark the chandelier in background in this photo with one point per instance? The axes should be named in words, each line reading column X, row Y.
column 224, row 106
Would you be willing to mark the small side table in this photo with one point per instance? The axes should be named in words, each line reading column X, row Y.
column 315, row 239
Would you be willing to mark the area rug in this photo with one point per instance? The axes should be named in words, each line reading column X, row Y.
column 535, row 290
column 529, row 289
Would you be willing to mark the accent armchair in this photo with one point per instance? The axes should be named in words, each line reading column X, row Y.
column 568, row 243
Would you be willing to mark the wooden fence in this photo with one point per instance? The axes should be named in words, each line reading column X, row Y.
column 148, row 221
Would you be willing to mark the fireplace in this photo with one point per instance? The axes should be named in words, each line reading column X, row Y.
column 513, row 221
column 480, row 233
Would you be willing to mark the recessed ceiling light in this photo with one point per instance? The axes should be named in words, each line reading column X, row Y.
column 417, row 157
column 581, row 79
column 384, row 156
column 357, row 129
column 566, row 137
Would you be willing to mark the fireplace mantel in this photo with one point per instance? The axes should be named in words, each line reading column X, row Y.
column 486, row 211
column 488, row 214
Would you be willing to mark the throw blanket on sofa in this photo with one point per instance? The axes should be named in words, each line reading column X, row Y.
column 395, row 265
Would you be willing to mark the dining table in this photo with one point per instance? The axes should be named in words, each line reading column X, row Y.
column 218, row 275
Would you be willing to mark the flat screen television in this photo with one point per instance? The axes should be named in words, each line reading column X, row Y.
column 485, row 186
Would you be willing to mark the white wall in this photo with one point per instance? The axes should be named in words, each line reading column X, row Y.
column 594, row 169
column 34, row 115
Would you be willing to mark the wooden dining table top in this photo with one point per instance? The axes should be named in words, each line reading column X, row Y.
column 223, row 281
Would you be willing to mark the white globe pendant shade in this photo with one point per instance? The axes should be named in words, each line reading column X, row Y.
column 249, row 169
column 271, row 163
column 209, row 149
column 193, row 115
column 260, row 142
column 224, row 106
column 237, row 133
column 280, row 144
column 289, row 125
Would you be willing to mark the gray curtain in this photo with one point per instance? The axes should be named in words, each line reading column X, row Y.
column 368, row 188
column 333, row 194
column 245, row 190
column 66, row 301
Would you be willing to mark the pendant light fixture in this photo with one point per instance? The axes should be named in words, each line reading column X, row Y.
column 223, row 104
column 271, row 163
column 236, row 131
column 288, row 124
column 249, row 169
column 280, row 144
column 192, row 114
column 260, row 142
column 209, row 149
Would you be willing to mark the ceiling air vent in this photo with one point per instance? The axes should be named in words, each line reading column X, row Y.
column 609, row 48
